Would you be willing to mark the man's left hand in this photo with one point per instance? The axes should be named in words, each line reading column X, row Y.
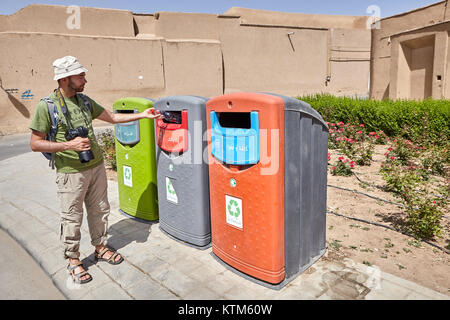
column 151, row 113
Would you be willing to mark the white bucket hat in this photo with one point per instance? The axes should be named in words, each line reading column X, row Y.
column 66, row 67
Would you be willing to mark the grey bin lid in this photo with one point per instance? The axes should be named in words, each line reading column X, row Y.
column 179, row 100
column 292, row 104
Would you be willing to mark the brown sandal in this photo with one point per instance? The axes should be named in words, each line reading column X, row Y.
column 76, row 277
column 112, row 259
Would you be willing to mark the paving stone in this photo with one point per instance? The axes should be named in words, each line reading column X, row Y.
column 202, row 293
column 220, row 283
column 124, row 274
column 164, row 294
column 51, row 260
column 108, row 291
column 177, row 282
column 388, row 291
column 145, row 289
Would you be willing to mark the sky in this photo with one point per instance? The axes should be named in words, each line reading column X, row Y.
column 381, row 8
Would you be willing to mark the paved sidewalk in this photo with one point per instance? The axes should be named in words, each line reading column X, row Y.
column 156, row 266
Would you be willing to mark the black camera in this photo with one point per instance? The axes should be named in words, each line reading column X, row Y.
column 85, row 156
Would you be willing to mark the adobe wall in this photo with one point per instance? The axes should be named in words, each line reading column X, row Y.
column 274, row 18
column 117, row 67
column 55, row 19
column 386, row 61
column 266, row 59
column 193, row 67
column 166, row 53
column 259, row 54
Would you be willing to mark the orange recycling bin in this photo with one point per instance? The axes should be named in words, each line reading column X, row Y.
column 267, row 218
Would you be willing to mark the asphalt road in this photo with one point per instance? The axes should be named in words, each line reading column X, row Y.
column 21, row 277
column 14, row 145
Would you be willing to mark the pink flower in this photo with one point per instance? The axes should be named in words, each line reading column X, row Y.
column 392, row 158
column 333, row 125
column 372, row 133
column 390, row 149
column 361, row 125
column 359, row 132
column 334, row 168
column 341, row 158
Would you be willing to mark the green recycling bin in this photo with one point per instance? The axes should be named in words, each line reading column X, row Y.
column 136, row 161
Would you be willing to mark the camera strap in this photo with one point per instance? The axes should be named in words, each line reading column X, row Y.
column 64, row 109
column 62, row 104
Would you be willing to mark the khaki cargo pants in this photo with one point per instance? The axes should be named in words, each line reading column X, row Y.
column 74, row 189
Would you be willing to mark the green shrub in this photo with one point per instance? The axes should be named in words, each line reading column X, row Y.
column 423, row 122
column 424, row 216
column 408, row 178
column 343, row 167
column 106, row 141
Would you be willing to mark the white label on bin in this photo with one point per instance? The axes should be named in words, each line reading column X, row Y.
column 170, row 191
column 233, row 208
column 127, row 176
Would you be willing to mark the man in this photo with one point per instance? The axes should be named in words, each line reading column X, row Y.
column 78, row 182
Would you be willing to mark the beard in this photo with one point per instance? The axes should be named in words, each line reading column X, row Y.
column 74, row 87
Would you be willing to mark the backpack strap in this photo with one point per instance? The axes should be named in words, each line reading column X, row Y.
column 86, row 101
column 54, row 120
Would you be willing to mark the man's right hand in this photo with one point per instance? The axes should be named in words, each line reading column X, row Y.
column 79, row 144
column 39, row 144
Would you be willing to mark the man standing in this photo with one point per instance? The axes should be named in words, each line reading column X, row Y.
column 78, row 182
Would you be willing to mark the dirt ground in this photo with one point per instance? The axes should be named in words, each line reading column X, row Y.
column 390, row 251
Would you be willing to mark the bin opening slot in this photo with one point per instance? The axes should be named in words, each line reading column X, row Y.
column 171, row 117
column 239, row 120
column 125, row 111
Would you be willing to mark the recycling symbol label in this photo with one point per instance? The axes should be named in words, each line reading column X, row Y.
column 233, row 207
column 127, row 176
column 171, row 194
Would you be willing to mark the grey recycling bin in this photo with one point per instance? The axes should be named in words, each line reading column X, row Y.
column 183, row 180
